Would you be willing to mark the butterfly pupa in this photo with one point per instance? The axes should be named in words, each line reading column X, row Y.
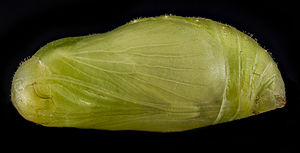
column 162, row 74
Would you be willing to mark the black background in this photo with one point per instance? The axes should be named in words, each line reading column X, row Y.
column 27, row 25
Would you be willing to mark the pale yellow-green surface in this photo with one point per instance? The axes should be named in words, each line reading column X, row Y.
column 163, row 74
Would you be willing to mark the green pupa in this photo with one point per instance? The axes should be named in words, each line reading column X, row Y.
column 162, row 74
